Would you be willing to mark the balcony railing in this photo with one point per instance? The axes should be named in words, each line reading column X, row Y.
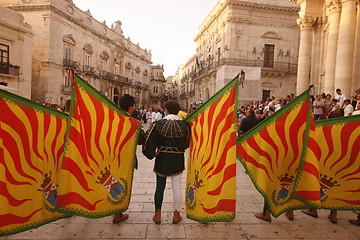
column 9, row 69
column 183, row 95
column 282, row 66
column 70, row 63
column 128, row 81
column 120, row 78
column 65, row 89
column 145, row 86
column 137, row 84
column 191, row 93
column 106, row 75
column 88, row 69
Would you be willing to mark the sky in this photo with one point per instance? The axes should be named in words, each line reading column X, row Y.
column 166, row 27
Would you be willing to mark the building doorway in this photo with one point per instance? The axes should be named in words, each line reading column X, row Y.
column 265, row 95
column 116, row 96
column 269, row 56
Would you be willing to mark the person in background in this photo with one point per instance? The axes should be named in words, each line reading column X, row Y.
column 327, row 105
column 182, row 114
column 348, row 108
column 340, row 97
column 318, row 105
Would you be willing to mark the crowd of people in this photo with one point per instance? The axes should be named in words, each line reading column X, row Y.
column 324, row 106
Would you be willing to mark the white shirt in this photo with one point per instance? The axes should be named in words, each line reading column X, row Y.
column 172, row 117
column 158, row 116
column 153, row 116
column 348, row 110
column 340, row 99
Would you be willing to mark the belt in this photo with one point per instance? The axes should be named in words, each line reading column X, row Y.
column 169, row 149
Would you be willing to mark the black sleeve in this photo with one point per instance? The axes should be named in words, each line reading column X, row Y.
column 141, row 139
column 188, row 135
column 150, row 143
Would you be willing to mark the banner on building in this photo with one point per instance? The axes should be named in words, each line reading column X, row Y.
column 32, row 139
column 97, row 171
column 273, row 155
column 211, row 172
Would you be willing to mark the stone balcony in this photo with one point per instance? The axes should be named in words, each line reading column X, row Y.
column 10, row 70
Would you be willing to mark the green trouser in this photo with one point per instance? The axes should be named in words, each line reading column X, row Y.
column 159, row 193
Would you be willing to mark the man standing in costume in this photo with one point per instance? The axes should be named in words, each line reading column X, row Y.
column 167, row 140
column 127, row 103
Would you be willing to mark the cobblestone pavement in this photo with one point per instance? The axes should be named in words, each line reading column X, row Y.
column 244, row 226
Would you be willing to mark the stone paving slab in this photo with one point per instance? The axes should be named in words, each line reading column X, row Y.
column 244, row 226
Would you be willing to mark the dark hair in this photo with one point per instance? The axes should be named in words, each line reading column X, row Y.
column 251, row 112
column 338, row 89
column 172, row 106
column 126, row 102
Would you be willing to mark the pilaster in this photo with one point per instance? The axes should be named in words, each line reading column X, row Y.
column 303, row 76
column 333, row 8
column 356, row 69
column 346, row 42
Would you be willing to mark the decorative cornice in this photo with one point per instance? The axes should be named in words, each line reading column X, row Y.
column 51, row 8
column 210, row 19
column 305, row 22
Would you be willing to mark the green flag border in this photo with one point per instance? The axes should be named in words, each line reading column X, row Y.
column 29, row 104
column 82, row 84
column 227, row 88
column 211, row 100
column 270, row 120
column 339, row 121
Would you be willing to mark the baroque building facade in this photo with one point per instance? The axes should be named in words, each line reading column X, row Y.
column 66, row 37
column 260, row 37
column 157, row 87
column 15, row 53
column 329, row 55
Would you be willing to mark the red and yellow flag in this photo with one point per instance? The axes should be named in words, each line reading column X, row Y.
column 336, row 147
column 211, row 172
column 97, row 171
column 273, row 154
column 32, row 139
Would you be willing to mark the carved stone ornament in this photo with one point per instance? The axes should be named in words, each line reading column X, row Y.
column 137, row 70
column 305, row 22
column 69, row 39
column 70, row 9
column 333, row 5
column 88, row 48
column 128, row 66
column 146, row 73
column 104, row 55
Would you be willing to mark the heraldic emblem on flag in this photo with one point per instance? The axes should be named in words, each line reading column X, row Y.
column 97, row 171
column 273, row 154
column 32, row 139
column 336, row 149
column 211, row 173
column 116, row 189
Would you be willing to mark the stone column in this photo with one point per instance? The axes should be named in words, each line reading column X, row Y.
column 356, row 68
column 334, row 10
column 303, row 75
column 346, row 42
